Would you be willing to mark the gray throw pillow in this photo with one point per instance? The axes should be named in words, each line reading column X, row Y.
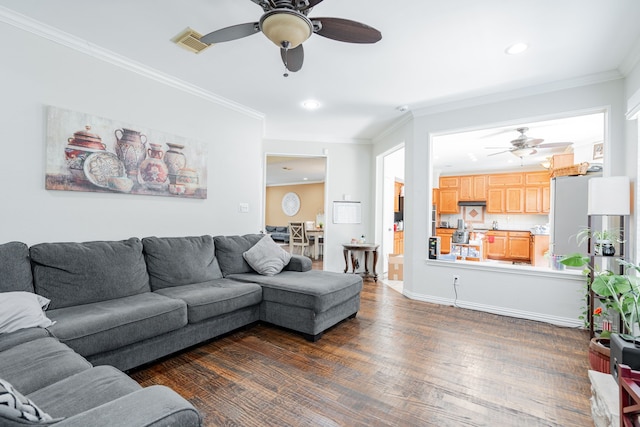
column 229, row 250
column 266, row 257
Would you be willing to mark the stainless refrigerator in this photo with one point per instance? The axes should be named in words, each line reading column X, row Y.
column 568, row 213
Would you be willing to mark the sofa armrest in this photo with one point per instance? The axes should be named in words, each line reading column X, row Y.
column 298, row 263
column 154, row 406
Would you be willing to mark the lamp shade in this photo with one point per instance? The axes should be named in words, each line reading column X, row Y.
column 609, row 196
column 286, row 28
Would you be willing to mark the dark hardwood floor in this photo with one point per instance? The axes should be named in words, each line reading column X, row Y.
column 398, row 363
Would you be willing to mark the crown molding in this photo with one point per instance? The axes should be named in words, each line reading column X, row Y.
column 468, row 102
column 55, row 35
column 631, row 60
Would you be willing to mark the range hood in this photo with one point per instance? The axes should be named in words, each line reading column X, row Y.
column 473, row 203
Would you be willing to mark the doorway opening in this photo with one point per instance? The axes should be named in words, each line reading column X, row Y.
column 392, row 213
column 295, row 192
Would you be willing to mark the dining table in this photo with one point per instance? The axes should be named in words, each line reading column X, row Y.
column 317, row 234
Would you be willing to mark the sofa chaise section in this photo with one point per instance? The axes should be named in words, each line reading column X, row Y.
column 297, row 298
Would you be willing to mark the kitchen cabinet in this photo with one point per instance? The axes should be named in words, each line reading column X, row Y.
column 519, row 246
column 473, row 187
column 495, row 200
column 509, row 245
column 537, row 199
column 497, row 244
column 448, row 201
column 398, row 242
column 514, row 200
column 449, row 182
column 397, row 193
column 539, row 249
column 445, row 235
column 505, row 180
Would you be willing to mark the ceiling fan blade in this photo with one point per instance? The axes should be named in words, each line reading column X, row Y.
column 554, row 144
column 499, row 152
column 231, row 33
column 293, row 58
column 312, row 3
column 345, row 30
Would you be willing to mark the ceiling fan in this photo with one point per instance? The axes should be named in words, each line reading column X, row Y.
column 286, row 24
column 527, row 146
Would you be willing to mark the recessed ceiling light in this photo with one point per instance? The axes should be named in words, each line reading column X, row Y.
column 516, row 48
column 402, row 108
column 311, row 104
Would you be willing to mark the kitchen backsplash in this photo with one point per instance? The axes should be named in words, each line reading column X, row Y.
column 505, row 222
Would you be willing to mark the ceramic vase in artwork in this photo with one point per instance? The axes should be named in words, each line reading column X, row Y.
column 130, row 148
column 153, row 171
column 78, row 148
column 189, row 178
column 175, row 160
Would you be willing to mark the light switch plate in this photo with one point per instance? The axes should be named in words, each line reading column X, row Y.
column 243, row 208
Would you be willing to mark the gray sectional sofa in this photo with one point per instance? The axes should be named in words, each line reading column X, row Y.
column 121, row 304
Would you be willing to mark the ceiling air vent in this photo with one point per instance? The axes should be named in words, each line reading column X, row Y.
column 190, row 40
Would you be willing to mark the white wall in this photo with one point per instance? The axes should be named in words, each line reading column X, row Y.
column 36, row 72
column 551, row 297
column 348, row 172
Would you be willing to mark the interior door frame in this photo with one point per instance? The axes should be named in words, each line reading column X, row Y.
column 327, row 228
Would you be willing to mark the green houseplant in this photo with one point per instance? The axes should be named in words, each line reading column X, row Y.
column 619, row 292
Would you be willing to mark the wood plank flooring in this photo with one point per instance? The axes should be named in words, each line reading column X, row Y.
column 398, row 363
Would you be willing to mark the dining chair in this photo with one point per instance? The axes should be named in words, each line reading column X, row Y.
column 297, row 237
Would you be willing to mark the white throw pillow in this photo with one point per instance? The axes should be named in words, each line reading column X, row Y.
column 19, row 407
column 20, row 310
column 266, row 257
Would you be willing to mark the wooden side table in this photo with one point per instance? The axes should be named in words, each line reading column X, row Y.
column 350, row 249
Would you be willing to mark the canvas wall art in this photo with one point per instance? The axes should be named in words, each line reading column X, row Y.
column 96, row 154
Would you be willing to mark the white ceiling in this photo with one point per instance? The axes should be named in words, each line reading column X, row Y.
column 432, row 51
column 295, row 170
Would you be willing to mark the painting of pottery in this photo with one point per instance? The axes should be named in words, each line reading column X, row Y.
column 96, row 154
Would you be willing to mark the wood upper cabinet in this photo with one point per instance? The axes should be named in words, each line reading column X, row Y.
column 449, row 181
column 448, row 201
column 537, row 193
column 495, row 200
column 473, row 187
column 505, row 180
column 519, row 245
column 396, row 196
column 398, row 242
column 537, row 178
column 514, row 200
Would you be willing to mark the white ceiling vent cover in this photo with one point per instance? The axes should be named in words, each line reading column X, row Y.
column 190, row 40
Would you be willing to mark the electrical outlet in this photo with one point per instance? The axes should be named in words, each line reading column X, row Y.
column 456, row 280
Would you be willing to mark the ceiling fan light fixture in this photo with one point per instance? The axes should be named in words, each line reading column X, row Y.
column 286, row 28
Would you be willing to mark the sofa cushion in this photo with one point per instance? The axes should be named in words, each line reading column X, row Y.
column 80, row 273
column 211, row 299
column 270, row 228
column 102, row 326
column 36, row 364
column 83, row 391
column 316, row 290
column 15, row 268
column 229, row 250
column 21, row 310
column 13, row 339
column 266, row 257
column 282, row 229
column 177, row 261
column 18, row 408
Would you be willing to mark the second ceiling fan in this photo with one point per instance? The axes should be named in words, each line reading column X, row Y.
column 527, row 146
column 286, row 24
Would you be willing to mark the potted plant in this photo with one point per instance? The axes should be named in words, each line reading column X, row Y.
column 603, row 240
column 617, row 292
